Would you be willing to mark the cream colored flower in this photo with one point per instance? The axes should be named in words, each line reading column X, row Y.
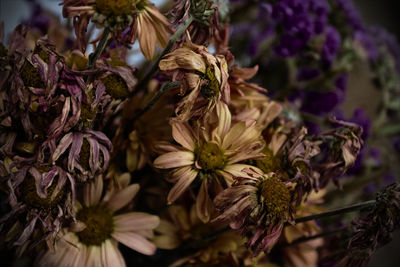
column 93, row 239
column 212, row 153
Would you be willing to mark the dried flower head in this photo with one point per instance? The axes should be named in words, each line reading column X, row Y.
column 201, row 73
column 258, row 205
column 210, row 153
column 137, row 18
column 93, row 239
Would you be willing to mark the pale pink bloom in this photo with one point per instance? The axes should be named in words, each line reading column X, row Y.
column 93, row 239
column 214, row 153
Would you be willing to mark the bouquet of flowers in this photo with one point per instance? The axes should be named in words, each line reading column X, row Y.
column 238, row 139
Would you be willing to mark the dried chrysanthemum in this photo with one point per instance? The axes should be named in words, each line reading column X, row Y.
column 202, row 74
column 89, row 153
column 41, row 198
column 344, row 145
column 138, row 18
column 375, row 229
column 212, row 154
column 258, row 205
column 205, row 18
column 93, row 239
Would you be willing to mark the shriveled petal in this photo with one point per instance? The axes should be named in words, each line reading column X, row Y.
column 174, row 160
column 182, row 184
column 63, row 145
column 123, row 197
column 135, row 242
column 135, row 221
column 183, row 58
column 147, row 35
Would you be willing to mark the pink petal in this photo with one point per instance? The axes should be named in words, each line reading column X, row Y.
column 135, row 242
column 174, row 160
column 182, row 184
column 110, row 255
column 123, row 197
column 92, row 191
column 135, row 221
column 183, row 134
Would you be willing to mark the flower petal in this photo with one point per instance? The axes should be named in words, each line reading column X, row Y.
column 135, row 242
column 123, row 197
column 174, row 160
column 110, row 255
column 182, row 184
column 135, row 221
column 183, row 134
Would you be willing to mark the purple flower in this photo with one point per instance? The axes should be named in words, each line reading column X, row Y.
column 331, row 46
column 89, row 153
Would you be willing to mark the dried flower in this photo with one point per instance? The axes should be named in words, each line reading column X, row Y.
column 93, row 239
column 375, row 229
column 140, row 18
column 202, row 74
column 258, row 205
column 212, row 154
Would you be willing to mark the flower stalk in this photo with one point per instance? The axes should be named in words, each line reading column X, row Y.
column 99, row 49
column 358, row 206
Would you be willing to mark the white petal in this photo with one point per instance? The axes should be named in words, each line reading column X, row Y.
column 135, row 242
column 93, row 256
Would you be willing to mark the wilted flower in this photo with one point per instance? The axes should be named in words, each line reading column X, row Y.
column 138, row 18
column 210, row 153
column 202, row 74
column 205, row 18
column 93, row 239
column 258, row 205
column 375, row 229
column 43, row 195
column 89, row 152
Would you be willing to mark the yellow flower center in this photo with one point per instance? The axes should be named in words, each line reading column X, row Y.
column 115, row 86
column 270, row 163
column 210, row 157
column 30, row 76
column 211, row 88
column 99, row 225
column 30, row 197
column 114, row 7
column 276, row 198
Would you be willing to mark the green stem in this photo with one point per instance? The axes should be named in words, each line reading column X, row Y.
column 309, row 238
column 99, row 49
column 143, row 82
column 348, row 209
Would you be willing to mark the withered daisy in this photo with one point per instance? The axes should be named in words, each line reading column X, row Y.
column 201, row 73
column 93, row 239
column 138, row 18
column 212, row 155
column 258, row 205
